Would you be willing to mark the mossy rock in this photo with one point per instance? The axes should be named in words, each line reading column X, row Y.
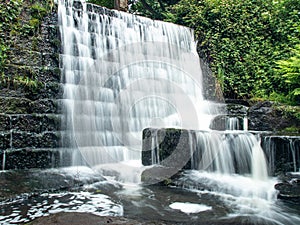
column 12, row 105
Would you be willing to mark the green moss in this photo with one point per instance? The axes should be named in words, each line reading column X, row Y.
column 289, row 111
column 34, row 23
column 38, row 11
column 291, row 130
column 18, row 19
column 106, row 3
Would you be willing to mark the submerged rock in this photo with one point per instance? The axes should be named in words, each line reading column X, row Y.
column 289, row 189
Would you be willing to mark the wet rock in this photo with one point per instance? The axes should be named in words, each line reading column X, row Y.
column 46, row 106
column 86, row 218
column 12, row 105
column 30, row 158
column 168, row 146
column 282, row 152
column 4, row 122
column 15, row 183
column 236, row 109
column 4, row 141
column 266, row 116
column 289, row 189
column 159, row 175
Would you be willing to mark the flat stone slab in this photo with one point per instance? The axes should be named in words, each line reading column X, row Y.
column 85, row 218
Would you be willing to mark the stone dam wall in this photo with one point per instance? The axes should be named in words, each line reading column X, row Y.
column 30, row 111
column 31, row 119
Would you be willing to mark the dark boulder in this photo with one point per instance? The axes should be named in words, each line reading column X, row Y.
column 289, row 188
column 268, row 116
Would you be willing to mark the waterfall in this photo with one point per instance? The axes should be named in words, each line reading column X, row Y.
column 283, row 153
column 232, row 123
column 222, row 152
column 121, row 74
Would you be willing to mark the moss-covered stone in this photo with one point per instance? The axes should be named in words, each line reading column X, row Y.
column 31, row 158
column 269, row 116
column 4, row 141
column 30, row 85
column 12, row 105
column 4, row 122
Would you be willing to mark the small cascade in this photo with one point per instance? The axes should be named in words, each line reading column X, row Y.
column 283, row 153
column 230, row 152
column 232, row 123
column 245, row 123
column 3, row 160
column 121, row 74
column 10, row 145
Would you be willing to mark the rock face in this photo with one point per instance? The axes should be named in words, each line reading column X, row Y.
column 30, row 91
column 172, row 150
column 266, row 116
column 121, row 5
column 283, row 153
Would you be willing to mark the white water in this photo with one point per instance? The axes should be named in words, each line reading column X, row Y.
column 189, row 208
column 236, row 123
column 123, row 73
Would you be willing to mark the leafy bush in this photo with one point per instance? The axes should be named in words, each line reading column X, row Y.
column 289, row 70
column 106, row 3
column 241, row 40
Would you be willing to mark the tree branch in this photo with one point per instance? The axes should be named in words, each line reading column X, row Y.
column 149, row 8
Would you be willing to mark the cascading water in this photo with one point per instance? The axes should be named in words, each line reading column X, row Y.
column 229, row 153
column 123, row 73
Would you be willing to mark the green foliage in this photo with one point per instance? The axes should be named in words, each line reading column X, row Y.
column 155, row 9
column 19, row 18
column 9, row 12
column 106, row 3
column 289, row 70
column 3, row 56
column 241, row 40
column 38, row 11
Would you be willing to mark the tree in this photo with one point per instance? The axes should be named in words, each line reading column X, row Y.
column 106, row 3
column 155, row 9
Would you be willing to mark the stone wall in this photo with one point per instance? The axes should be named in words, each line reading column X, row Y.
column 283, row 153
column 29, row 94
column 260, row 116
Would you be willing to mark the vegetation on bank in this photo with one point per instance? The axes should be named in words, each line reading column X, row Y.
column 106, row 3
column 252, row 46
column 20, row 19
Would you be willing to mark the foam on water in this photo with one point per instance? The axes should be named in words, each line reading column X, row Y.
column 188, row 207
column 247, row 197
column 97, row 204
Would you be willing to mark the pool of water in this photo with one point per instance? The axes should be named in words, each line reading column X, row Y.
column 194, row 198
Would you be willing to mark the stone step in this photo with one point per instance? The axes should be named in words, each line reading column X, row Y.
column 22, row 105
column 27, row 158
column 17, row 140
column 34, row 123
